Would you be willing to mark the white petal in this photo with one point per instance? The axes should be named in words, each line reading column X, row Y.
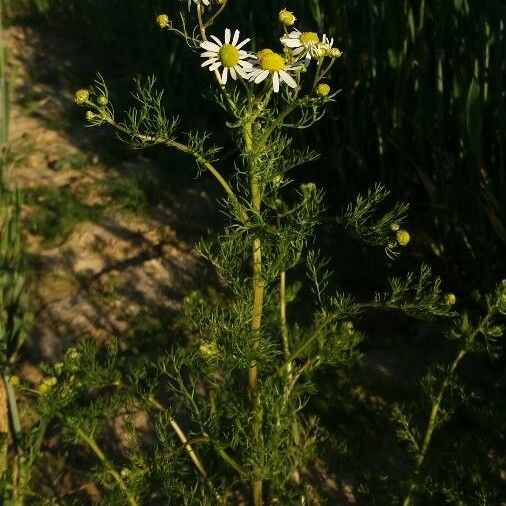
column 235, row 40
column 227, row 35
column 218, row 41
column 294, row 34
column 291, row 42
column 240, row 72
column 210, row 46
column 288, row 79
column 245, row 41
column 275, row 82
column 224, row 76
column 262, row 74
column 233, row 74
column 208, row 62
column 207, row 54
column 214, row 66
column 245, row 64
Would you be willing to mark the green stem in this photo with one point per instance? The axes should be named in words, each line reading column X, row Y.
column 435, row 409
column 212, row 19
column 184, row 440
column 109, row 466
column 186, row 149
column 431, row 425
column 258, row 287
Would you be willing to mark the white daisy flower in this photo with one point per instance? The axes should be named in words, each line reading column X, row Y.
column 304, row 44
column 272, row 64
column 228, row 55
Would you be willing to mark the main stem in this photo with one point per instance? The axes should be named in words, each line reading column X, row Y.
column 431, row 425
column 258, row 287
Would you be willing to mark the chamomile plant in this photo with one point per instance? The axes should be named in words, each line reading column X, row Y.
column 228, row 410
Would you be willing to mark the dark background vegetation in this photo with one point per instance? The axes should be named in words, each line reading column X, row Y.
column 422, row 109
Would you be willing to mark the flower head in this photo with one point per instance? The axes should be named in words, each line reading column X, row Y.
column 322, row 90
column 335, row 53
column 272, row 64
column 402, row 237
column 81, row 96
column 47, row 385
column 286, row 18
column 304, row 44
column 163, row 21
column 209, row 349
column 450, row 299
column 227, row 54
column 14, row 380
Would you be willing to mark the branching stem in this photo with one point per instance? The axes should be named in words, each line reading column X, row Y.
column 92, row 444
column 435, row 409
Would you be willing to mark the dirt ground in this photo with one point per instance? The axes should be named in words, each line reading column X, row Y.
column 111, row 263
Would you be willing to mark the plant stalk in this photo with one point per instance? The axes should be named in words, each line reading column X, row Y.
column 258, row 287
column 90, row 441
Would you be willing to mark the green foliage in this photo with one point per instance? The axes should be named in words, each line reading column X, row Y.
column 419, row 297
column 225, row 415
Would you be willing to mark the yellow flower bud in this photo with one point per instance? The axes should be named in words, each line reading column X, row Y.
column 163, row 21
column 47, row 385
column 14, row 380
column 81, row 96
column 208, row 350
column 450, row 299
column 102, row 100
column 322, row 90
column 90, row 115
column 394, row 227
column 335, row 53
column 402, row 237
column 286, row 18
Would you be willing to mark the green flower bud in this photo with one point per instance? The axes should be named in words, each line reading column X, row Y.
column 335, row 53
column 90, row 115
column 102, row 100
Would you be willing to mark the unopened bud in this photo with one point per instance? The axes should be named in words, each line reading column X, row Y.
column 286, row 18
column 163, row 20
column 403, row 237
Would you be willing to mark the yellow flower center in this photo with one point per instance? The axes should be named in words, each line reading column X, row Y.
column 309, row 38
column 229, row 55
column 271, row 61
column 263, row 52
